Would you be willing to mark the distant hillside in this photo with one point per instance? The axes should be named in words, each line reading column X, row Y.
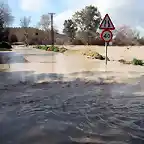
column 16, row 34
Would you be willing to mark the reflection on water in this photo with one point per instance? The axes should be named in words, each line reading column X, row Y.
column 11, row 57
column 8, row 58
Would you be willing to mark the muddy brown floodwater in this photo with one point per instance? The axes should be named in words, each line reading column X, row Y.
column 38, row 105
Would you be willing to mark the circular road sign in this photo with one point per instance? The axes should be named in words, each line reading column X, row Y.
column 106, row 35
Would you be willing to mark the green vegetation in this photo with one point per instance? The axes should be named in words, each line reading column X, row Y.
column 137, row 62
column 52, row 48
column 42, row 47
column 62, row 50
column 5, row 49
column 83, row 24
column 94, row 55
column 5, row 46
column 124, row 61
column 134, row 62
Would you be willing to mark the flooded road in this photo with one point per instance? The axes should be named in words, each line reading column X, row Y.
column 64, row 109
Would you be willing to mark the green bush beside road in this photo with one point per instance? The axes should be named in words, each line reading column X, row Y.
column 137, row 62
column 94, row 55
column 52, row 48
column 133, row 62
column 42, row 47
column 5, row 46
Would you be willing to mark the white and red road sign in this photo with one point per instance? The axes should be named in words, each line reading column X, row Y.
column 106, row 23
column 106, row 35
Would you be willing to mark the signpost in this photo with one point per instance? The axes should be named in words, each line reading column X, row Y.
column 106, row 34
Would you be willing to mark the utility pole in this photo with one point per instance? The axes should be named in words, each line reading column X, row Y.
column 52, row 38
column 52, row 29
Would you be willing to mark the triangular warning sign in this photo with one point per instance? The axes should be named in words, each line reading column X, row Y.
column 106, row 23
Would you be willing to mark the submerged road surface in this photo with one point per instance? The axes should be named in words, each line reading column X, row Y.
column 75, row 111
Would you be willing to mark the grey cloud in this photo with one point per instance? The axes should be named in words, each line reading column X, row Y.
column 129, row 14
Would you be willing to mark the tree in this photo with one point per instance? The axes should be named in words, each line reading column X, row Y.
column 70, row 29
column 55, row 29
column 6, row 19
column 88, row 20
column 24, row 23
column 44, row 22
column 125, row 35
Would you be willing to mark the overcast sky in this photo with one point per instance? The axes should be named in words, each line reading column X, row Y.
column 123, row 12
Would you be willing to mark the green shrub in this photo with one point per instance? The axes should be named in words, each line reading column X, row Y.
column 56, row 49
column 141, row 41
column 137, row 62
column 62, row 50
column 5, row 45
column 94, row 55
column 5, row 49
column 124, row 61
column 51, row 48
column 42, row 47
column 38, row 47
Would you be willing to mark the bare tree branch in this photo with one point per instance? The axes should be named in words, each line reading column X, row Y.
column 24, row 23
column 6, row 17
column 44, row 22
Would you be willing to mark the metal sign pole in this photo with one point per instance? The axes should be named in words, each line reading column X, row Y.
column 106, row 45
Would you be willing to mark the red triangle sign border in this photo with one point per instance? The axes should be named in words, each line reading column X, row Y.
column 112, row 28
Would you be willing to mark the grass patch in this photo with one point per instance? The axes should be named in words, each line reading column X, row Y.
column 137, row 62
column 5, row 49
column 124, row 61
column 93, row 55
column 88, row 53
column 42, row 47
column 52, row 48
column 134, row 62
column 5, row 45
